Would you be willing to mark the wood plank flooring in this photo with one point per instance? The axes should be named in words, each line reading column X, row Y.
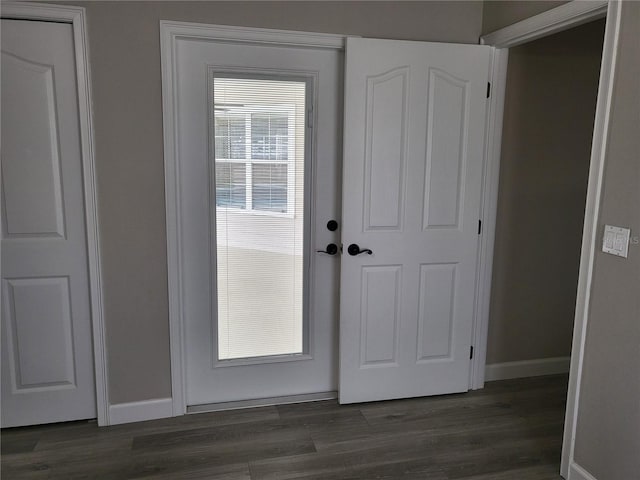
column 510, row 430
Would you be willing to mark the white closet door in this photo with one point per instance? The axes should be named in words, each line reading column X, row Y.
column 47, row 360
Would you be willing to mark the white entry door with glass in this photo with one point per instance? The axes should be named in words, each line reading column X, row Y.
column 259, row 157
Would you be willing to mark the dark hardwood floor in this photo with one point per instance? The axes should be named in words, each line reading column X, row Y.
column 510, row 430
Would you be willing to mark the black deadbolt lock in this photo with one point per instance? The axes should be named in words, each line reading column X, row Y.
column 332, row 225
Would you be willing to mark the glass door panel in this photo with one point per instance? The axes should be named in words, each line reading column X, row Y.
column 260, row 150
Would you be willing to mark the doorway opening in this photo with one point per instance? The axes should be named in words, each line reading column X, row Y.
column 547, row 178
column 550, row 103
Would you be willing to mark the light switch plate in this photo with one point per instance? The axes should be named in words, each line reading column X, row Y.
column 616, row 241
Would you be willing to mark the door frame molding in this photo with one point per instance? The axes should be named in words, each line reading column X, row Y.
column 170, row 32
column 547, row 23
column 76, row 16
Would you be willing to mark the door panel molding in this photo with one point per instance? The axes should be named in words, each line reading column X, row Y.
column 76, row 16
column 552, row 21
column 385, row 158
column 380, row 300
column 437, row 280
column 445, row 213
column 32, row 367
column 27, row 215
column 170, row 32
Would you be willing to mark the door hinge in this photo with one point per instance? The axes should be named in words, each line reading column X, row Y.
column 479, row 227
column 471, row 352
column 488, row 89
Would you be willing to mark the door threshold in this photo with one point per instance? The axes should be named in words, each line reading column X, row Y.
column 262, row 402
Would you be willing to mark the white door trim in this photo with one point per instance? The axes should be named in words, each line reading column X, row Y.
column 169, row 33
column 76, row 16
column 547, row 23
column 169, row 30
column 576, row 472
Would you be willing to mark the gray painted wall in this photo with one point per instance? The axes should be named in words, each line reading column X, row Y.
column 499, row 14
column 608, row 430
column 125, row 72
column 551, row 93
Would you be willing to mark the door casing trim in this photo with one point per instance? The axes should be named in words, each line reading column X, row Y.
column 552, row 21
column 76, row 16
column 547, row 23
column 170, row 32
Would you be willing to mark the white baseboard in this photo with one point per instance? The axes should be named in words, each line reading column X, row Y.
column 140, row 411
column 527, row 368
column 576, row 472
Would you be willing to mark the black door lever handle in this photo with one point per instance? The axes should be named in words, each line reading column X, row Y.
column 354, row 249
column 332, row 249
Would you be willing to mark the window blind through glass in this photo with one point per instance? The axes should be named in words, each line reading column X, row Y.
column 259, row 144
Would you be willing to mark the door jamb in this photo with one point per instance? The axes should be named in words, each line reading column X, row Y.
column 552, row 21
column 76, row 16
column 170, row 32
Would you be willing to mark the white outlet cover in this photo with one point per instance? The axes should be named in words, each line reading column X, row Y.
column 616, row 241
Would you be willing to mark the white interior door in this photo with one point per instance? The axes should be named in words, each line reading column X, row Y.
column 47, row 361
column 413, row 156
column 259, row 165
